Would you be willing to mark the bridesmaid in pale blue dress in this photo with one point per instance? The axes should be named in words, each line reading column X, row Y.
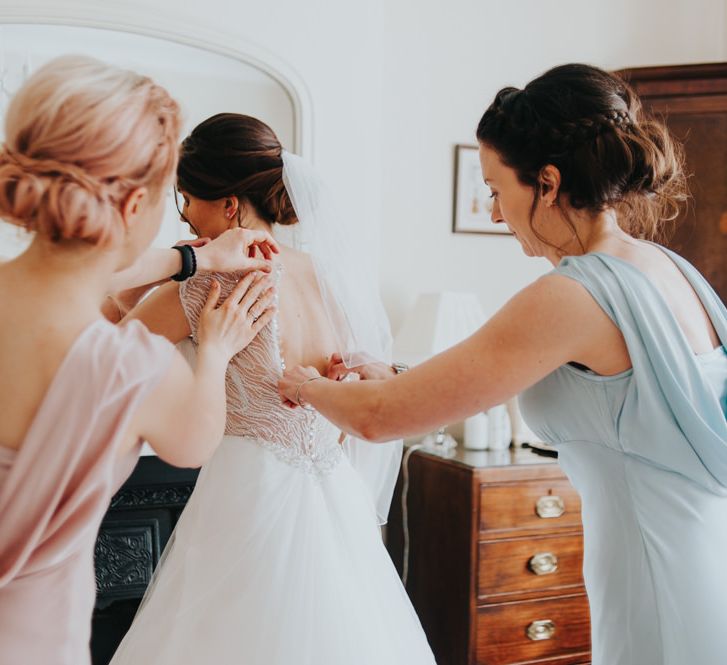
column 619, row 354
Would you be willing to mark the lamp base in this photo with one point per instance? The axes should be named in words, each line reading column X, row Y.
column 440, row 443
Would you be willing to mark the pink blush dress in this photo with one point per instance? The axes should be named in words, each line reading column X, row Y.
column 55, row 489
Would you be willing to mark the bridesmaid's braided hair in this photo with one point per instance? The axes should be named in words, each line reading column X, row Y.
column 590, row 125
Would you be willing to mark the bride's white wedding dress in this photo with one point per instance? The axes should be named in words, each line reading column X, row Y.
column 277, row 558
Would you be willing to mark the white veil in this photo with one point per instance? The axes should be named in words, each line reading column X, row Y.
column 353, row 305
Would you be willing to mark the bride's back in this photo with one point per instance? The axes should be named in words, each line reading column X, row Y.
column 300, row 333
column 306, row 334
column 232, row 170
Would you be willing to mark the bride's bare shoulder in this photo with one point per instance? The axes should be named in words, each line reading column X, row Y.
column 290, row 255
column 297, row 263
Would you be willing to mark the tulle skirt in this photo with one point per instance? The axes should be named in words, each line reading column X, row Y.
column 273, row 565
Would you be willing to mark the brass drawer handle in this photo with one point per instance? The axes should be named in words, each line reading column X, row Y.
column 543, row 563
column 549, row 506
column 541, row 630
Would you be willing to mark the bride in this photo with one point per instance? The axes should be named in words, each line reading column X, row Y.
column 277, row 558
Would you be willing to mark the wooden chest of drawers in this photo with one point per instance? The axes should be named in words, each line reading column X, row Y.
column 495, row 558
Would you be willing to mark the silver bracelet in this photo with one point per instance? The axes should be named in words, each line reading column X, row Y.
column 298, row 401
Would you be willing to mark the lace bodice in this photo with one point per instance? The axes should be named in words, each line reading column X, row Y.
column 254, row 407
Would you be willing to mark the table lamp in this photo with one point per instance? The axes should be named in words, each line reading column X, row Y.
column 436, row 322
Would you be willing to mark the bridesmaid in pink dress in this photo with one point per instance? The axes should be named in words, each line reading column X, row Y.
column 89, row 152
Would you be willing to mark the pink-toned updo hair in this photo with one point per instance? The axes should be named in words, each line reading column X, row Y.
column 80, row 136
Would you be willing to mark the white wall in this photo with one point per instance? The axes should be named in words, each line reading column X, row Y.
column 444, row 63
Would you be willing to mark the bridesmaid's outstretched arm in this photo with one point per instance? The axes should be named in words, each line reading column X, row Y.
column 550, row 323
column 234, row 250
column 229, row 252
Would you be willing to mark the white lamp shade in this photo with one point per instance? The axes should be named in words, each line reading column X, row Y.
column 435, row 323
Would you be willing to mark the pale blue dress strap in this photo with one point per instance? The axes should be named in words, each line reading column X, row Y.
column 672, row 417
column 710, row 300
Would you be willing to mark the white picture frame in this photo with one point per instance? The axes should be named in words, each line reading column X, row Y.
column 472, row 208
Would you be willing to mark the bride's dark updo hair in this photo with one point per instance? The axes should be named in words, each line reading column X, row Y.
column 590, row 125
column 236, row 155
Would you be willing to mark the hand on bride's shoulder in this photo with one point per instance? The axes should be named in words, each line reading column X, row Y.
column 238, row 249
column 231, row 326
column 373, row 370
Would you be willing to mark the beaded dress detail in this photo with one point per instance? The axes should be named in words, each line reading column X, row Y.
column 254, row 409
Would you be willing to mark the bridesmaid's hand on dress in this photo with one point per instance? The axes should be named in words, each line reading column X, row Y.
column 337, row 370
column 291, row 384
column 237, row 249
column 227, row 329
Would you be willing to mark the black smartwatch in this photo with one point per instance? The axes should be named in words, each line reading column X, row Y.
column 189, row 262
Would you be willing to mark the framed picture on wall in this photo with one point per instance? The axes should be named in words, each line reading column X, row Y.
column 472, row 203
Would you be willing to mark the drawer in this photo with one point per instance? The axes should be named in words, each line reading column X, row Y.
column 535, row 630
column 529, row 564
column 535, row 504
